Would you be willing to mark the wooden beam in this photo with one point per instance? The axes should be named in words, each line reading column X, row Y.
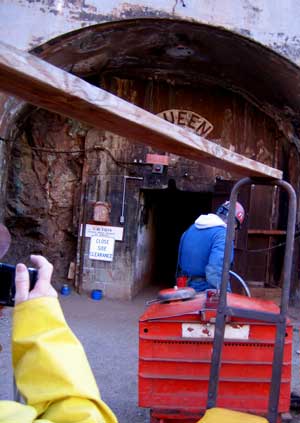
column 266, row 232
column 42, row 84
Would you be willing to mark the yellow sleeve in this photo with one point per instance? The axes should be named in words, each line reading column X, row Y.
column 51, row 369
column 218, row 415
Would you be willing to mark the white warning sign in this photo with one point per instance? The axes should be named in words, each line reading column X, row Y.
column 102, row 248
column 115, row 232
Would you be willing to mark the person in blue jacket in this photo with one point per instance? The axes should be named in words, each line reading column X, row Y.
column 202, row 245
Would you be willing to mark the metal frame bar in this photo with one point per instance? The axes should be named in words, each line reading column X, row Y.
column 278, row 319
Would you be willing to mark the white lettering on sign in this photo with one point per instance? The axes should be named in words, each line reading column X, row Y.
column 115, row 232
column 188, row 119
column 207, row 330
column 102, row 248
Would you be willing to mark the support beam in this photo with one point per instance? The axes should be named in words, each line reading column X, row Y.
column 42, row 84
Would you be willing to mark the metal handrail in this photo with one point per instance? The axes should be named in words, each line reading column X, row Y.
column 278, row 319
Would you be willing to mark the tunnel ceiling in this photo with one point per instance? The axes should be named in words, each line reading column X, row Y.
column 181, row 52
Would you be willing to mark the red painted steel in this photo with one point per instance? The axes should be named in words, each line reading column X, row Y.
column 174, row 370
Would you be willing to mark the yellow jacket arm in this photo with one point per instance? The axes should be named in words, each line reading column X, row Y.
column 222, row 415
column 51, row 370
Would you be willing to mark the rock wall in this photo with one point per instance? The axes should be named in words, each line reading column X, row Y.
column 42, row 185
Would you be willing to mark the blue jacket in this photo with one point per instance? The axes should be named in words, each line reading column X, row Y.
column 201, row 250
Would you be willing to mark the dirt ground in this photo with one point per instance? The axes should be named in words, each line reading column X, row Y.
column 108, row 330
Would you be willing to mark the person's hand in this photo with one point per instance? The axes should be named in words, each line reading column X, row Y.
column 43, row 287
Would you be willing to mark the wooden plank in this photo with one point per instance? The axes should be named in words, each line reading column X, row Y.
column 42, row 84
column 267, row 232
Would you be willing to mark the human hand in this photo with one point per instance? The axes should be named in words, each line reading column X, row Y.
column 43, row 287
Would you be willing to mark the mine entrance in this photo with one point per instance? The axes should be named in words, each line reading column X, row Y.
column 167, row 213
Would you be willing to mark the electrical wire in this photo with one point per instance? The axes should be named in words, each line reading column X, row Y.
column 52, row 151
column 80, row 151
column 262, row 250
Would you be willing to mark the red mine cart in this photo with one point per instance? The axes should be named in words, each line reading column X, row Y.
column 179, row 355
column 176, row 341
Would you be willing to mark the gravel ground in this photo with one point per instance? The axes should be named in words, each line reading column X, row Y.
column 108, row 330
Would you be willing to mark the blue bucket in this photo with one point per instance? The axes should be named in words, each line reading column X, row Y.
column 96, row 294
column 65, row 290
